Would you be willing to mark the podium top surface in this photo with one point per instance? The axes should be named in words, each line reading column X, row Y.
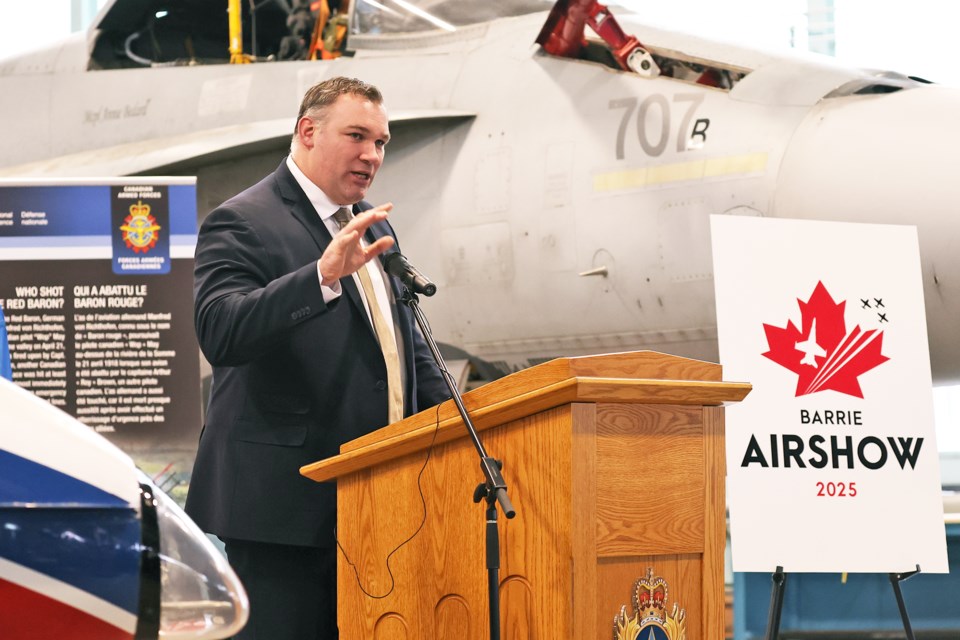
column 641, row 377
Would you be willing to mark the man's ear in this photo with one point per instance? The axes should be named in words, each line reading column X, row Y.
column 306, row 127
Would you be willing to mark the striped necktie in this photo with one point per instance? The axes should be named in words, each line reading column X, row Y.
column 387, row 342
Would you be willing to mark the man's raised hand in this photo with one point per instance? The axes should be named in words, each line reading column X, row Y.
column 346, row 254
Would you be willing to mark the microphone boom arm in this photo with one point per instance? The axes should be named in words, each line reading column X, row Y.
column 490, row 466
column 494, row 490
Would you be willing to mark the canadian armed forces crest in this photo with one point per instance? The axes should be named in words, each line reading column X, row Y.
column 140, row 229
column 650, row 620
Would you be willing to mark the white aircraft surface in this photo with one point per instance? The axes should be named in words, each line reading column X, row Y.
column 91, row 548
column 560, row 202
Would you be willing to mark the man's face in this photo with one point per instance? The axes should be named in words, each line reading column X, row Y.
column 348, row 150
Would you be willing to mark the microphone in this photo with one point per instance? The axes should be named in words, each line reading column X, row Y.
column 397, row 265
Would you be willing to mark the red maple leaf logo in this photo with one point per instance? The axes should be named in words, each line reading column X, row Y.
column 821, row 352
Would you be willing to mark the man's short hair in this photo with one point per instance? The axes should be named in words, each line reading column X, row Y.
column 323, row 94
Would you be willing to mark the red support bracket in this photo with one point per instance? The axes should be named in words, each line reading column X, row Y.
column 563, row 35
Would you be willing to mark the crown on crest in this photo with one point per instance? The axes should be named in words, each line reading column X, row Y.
column 139, row 209
column 650, row 597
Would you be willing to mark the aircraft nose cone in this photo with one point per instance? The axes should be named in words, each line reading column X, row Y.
column 872, row 158
column 887, row 159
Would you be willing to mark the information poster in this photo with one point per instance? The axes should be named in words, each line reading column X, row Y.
column 96, row 283
column 832, row 459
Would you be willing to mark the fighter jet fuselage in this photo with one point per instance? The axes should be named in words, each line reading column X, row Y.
column 560, row 204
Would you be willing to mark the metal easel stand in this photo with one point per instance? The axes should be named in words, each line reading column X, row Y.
column 895, row 580
column 779, row 579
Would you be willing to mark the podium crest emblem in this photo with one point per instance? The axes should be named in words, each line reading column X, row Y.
column 651, row 619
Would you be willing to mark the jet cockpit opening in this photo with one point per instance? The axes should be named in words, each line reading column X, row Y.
column 563, row 35
column 671, row 64
column 703, row 72
column 187, row 32
column 374, row 21
column 397, row 17
column 161, row 33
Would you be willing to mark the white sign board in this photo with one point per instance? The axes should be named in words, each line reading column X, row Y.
column 832, row 461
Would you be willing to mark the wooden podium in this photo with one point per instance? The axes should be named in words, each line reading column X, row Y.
column 615, row 464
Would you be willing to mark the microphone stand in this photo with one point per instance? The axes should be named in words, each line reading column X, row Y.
column 493, row 490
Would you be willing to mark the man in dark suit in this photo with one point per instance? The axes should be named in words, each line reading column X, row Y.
column 309, row 350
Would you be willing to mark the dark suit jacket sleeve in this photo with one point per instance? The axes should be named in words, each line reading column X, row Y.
column 431, row 388
column 241, row 309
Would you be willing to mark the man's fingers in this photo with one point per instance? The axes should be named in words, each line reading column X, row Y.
column 346, row 239
column 378, row 247
column 347, row 254
column 349, row 236
column 362, row 221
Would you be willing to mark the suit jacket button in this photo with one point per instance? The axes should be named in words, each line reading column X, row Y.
column 381, row 385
